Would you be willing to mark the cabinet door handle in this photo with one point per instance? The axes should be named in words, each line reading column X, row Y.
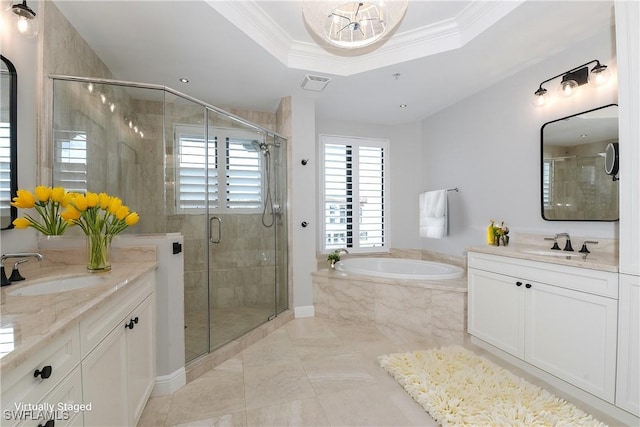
column 518, row 283
column 132, row 323
column 44, row 373
column 528, row 285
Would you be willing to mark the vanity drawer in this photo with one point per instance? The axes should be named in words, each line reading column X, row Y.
column 95, row 327
column 63, row 404
column 19, row 385
column 597, row 282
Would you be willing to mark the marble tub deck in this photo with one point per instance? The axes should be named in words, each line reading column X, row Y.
column 428, row 308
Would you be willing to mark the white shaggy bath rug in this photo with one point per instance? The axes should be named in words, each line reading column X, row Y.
column 458, row 388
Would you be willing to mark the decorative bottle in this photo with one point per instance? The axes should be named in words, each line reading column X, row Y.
column 490, row 234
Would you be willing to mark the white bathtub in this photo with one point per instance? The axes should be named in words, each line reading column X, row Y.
column 399, row 268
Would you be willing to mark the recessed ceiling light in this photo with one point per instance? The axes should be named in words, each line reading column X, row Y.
column 403, row 105
column 184, row 80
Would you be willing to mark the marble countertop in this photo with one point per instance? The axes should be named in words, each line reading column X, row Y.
column 33, row 321
column 603, row 261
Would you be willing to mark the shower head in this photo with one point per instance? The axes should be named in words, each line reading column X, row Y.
column 260, row 146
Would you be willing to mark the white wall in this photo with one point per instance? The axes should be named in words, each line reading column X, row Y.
column 489, row 146
column 406, row 173
column 23, row 53
column 302, row 184
column 628, row 42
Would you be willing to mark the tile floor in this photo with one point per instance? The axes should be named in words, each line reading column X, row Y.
column 310, row 372
column 227, row 323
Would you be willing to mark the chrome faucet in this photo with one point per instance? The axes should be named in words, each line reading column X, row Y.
column 16, row 274
column 341, row 251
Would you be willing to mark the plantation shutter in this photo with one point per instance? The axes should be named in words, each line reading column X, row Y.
column 193, row 188
column 547, row 175
column 5, row 169
column 371, row 185
column 243, row 177
column 353, row 192
column 70, row 161
column 338, row 196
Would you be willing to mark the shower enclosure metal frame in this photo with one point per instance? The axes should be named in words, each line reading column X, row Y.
column 270, row 212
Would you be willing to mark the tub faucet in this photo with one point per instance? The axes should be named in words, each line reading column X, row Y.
column 341, row 251
column 15, row 273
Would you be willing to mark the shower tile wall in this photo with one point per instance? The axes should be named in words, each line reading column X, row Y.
column 64, row 52
column 242, row 263
column 579, row 176
column 112, row 150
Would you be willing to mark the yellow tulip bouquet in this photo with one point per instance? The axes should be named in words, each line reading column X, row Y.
column 100, row 217
column 48, row 203
column 99, row 214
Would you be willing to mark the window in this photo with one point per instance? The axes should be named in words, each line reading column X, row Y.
column 230, row 151
column 353, row 193
column 191, row 168
column 5, row 168
column 70, row 161
column 547, row 179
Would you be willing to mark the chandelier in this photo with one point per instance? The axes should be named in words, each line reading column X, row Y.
column 353, row 25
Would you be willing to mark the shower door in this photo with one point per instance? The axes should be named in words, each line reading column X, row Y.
column 240, row 281
column 230, row 181
column 189, row 168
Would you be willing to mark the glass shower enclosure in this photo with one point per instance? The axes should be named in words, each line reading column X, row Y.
column 187, row 167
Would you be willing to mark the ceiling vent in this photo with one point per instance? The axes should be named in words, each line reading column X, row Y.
column 315, row 83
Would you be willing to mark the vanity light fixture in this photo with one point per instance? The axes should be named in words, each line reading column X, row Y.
column 573, row 79
column 26, row 21
column 353, row 24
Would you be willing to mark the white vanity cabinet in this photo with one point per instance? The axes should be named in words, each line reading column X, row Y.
column 557, row 318
column 119, row 373
column 63, row 399
column 495, row 310
column 43, row 378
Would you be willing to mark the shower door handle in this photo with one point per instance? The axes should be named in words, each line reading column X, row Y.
column 211, row 239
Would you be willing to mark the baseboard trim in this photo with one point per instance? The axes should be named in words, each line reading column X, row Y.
column 169, row 384
column 304, row 311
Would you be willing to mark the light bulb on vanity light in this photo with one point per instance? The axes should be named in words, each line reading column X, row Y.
column 540, row 97
column 26, row 21
column 568, row 88
column 599, row 75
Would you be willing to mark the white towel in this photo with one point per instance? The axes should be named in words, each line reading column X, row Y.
column 433, row 214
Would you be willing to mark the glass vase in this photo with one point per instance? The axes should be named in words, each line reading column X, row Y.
column 98, row 252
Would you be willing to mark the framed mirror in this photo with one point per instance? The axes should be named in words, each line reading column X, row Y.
column 575, row 185
column 8, row 142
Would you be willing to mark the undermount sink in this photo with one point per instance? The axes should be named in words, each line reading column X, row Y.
column 557, row 254
column 59, row 285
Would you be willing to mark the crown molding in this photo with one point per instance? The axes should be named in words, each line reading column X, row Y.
column 442, row 36
column 249, row 17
